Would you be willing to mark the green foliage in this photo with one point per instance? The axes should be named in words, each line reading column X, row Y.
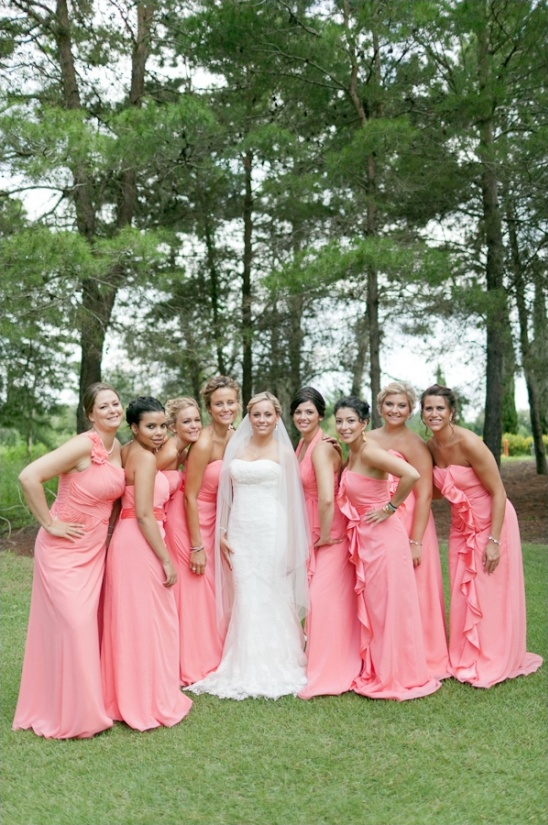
column 519, row 444
column 14, row 512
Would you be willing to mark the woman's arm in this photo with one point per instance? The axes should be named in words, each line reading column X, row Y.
column 483, row 463
column 325, row 461
column 380, row 459
column 418, row 455
column 197, row 462
column 144, row 478
column 74, row 455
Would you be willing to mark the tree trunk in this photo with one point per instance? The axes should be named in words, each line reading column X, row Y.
column 214, row 295
column 247, row 315
column 526, row 351
column 497, row 314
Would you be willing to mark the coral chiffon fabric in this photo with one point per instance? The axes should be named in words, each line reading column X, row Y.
column 140, row 650
column 487, row 625
column 392, row 648
column 332, row 627
column 429, row 583
column 201, row 643
column 61, row 695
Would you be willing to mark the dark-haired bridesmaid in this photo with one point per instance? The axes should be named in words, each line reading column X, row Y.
column 487, row 624
column 332, row 627
column 392, row 648
column 140, row 651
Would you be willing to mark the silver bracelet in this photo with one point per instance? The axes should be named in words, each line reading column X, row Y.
column 416, row 543
column 196, row 549
column 493, row 539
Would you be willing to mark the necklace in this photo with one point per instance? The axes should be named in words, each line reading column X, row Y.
column 108, row 452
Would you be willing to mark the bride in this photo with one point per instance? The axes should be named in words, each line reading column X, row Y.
column 262, row 537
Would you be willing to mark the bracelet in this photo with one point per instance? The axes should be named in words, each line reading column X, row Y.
column 493, row 539
column 416, row 543
column 222, row 529
column 196, row 549
column 390, row 507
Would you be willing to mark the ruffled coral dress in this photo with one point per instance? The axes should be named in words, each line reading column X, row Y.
column 61, row 695
column 140, row 651
column 392, row 647
column 332, row 626
column 201, row 643
column 487, row 625
column 429, row 583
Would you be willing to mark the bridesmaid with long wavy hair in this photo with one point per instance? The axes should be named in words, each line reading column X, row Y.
column 487, row 624
column 60, row 694
column 201, row 638
column 396, row 403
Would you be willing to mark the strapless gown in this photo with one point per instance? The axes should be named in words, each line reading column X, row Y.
column 332, row 626
column 487, row 625
column 61, row 694
column 140, row 651
column 429, row 583
column 392, row 647
column 263, row 652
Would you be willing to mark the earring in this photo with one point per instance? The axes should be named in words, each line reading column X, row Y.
column 276, row 428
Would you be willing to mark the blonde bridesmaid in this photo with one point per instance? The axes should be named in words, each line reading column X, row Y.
column 201, row 638
column 396, row 403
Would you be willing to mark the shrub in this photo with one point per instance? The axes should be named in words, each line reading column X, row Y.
column 517, row 444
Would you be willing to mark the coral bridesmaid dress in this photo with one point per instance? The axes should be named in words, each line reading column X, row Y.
column 392, row 648
column 61, row 695
column 332, row 626
column 140, row 651
column 201, row 643
column 487, row 625
column 429, row 583
column 176, row 531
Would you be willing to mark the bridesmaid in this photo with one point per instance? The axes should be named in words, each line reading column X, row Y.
column 395, row 404
column 394, row 661
column 60, row 695
column 201, row 639
column 140, row 648
column 487, row 626
column 185, row 422
column 332, row 626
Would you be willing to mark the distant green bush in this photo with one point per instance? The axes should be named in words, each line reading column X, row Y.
column 517, row 444
column 14, row 512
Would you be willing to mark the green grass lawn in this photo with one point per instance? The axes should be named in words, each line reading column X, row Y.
column 463, row 755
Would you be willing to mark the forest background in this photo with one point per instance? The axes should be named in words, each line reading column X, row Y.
column 275, row 190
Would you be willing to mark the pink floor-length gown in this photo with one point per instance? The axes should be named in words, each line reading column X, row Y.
column 201, row 643
column 176, row 530
column 61, row 695
column 429, row 583
column 487, row 624
column 392, row 648
column 140, row 650
column 332, row 626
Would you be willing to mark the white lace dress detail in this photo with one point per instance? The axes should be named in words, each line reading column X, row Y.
column 263, row 652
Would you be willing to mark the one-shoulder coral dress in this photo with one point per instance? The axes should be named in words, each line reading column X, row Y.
column 61, row 695
column 392, row 647
column 487, row 624
column 332, row 627
column 140, row 649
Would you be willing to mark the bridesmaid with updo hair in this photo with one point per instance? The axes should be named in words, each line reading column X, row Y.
column 140, row 650
column 332, row 628
column 392, row 649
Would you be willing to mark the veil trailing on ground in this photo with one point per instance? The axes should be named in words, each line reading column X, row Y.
column 293, row 535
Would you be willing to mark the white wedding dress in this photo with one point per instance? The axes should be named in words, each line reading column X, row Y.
column 263, row 652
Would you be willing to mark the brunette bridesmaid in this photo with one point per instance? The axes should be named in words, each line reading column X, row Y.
column 487, row 625
column 60, row 694
column 332, row 626
column 392, row 648
column 140, row 650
